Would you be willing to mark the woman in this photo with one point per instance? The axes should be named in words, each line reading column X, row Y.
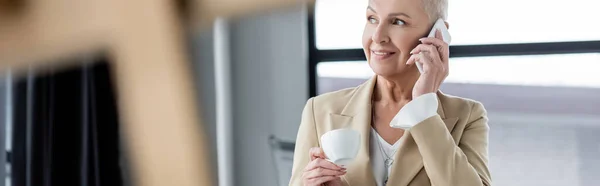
column 445, row 138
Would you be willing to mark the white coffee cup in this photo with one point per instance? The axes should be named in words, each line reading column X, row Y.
column 341, row 145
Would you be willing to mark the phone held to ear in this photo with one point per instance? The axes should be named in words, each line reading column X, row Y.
column 439, row 25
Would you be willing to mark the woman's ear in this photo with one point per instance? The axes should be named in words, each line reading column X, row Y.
column 447, row 25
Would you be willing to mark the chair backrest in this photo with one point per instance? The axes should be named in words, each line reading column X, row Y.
column 283, row 157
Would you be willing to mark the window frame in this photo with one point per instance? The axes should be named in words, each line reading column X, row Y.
column 316, row 56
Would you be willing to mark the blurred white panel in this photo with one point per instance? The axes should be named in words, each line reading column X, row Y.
column 339, row 23
column 516, row 21
column 560, row 70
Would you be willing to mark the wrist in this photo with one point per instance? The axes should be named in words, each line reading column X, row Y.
column 417, row 94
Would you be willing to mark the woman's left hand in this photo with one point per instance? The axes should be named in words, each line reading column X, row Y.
column 433, row 53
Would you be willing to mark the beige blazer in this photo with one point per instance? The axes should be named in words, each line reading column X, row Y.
column 446, row 150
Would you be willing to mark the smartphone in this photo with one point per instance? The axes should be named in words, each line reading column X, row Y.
column 439, row 25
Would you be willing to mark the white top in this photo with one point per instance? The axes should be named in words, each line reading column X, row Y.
column 413, row 113
column 379, row 149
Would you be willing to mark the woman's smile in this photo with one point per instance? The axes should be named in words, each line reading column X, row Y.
column 381, row 55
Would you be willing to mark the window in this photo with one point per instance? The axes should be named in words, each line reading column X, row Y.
column 544, row 116
column 339, row 23
column 557, row 70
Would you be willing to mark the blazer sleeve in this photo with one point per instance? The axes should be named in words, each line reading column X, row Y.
column 306, row 139
column 447, row 163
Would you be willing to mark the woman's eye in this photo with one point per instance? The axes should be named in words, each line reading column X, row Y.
column 398, row 22
column 372, row 20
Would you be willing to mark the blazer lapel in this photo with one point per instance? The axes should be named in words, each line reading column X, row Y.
column 357, row 115
column 408, row 161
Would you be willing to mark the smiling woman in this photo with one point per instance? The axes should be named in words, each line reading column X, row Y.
column 534, row 84
column 390, row 21
column 440, row 139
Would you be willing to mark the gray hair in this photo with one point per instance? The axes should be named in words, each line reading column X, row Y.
column 436, row 9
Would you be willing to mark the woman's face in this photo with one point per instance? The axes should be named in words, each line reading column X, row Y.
column 392, row 30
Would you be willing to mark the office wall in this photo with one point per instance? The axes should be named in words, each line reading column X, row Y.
column 270, row 88
column 269, row 67
column 3, row 123
column 202, row 50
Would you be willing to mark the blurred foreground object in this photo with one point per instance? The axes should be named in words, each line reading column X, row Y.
column 205, row 11
column 145, row 42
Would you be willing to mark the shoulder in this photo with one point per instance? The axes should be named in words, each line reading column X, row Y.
column 455, row 106
column 333, row 101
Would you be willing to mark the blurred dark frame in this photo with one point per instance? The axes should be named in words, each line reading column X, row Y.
column 66, row 127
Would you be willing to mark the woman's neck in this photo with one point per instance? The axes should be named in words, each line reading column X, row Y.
column 395, row 89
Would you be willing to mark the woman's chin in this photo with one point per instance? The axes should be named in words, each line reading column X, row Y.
column 386, row 69
column 382, row 71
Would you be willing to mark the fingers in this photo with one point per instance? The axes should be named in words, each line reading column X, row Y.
column 430, row 60
column 411, row 60
column 441, row 46
column 425, row 53
column 438, row 42
column 319, row 172
column 322, row 163
column 316, row 152
column 427, row 47
column 321, row 180
column 438, row 34
column 419, row 57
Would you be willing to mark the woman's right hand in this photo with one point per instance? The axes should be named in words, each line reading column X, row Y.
column 320, row 171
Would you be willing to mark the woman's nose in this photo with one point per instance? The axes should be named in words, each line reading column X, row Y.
column 380, row 35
